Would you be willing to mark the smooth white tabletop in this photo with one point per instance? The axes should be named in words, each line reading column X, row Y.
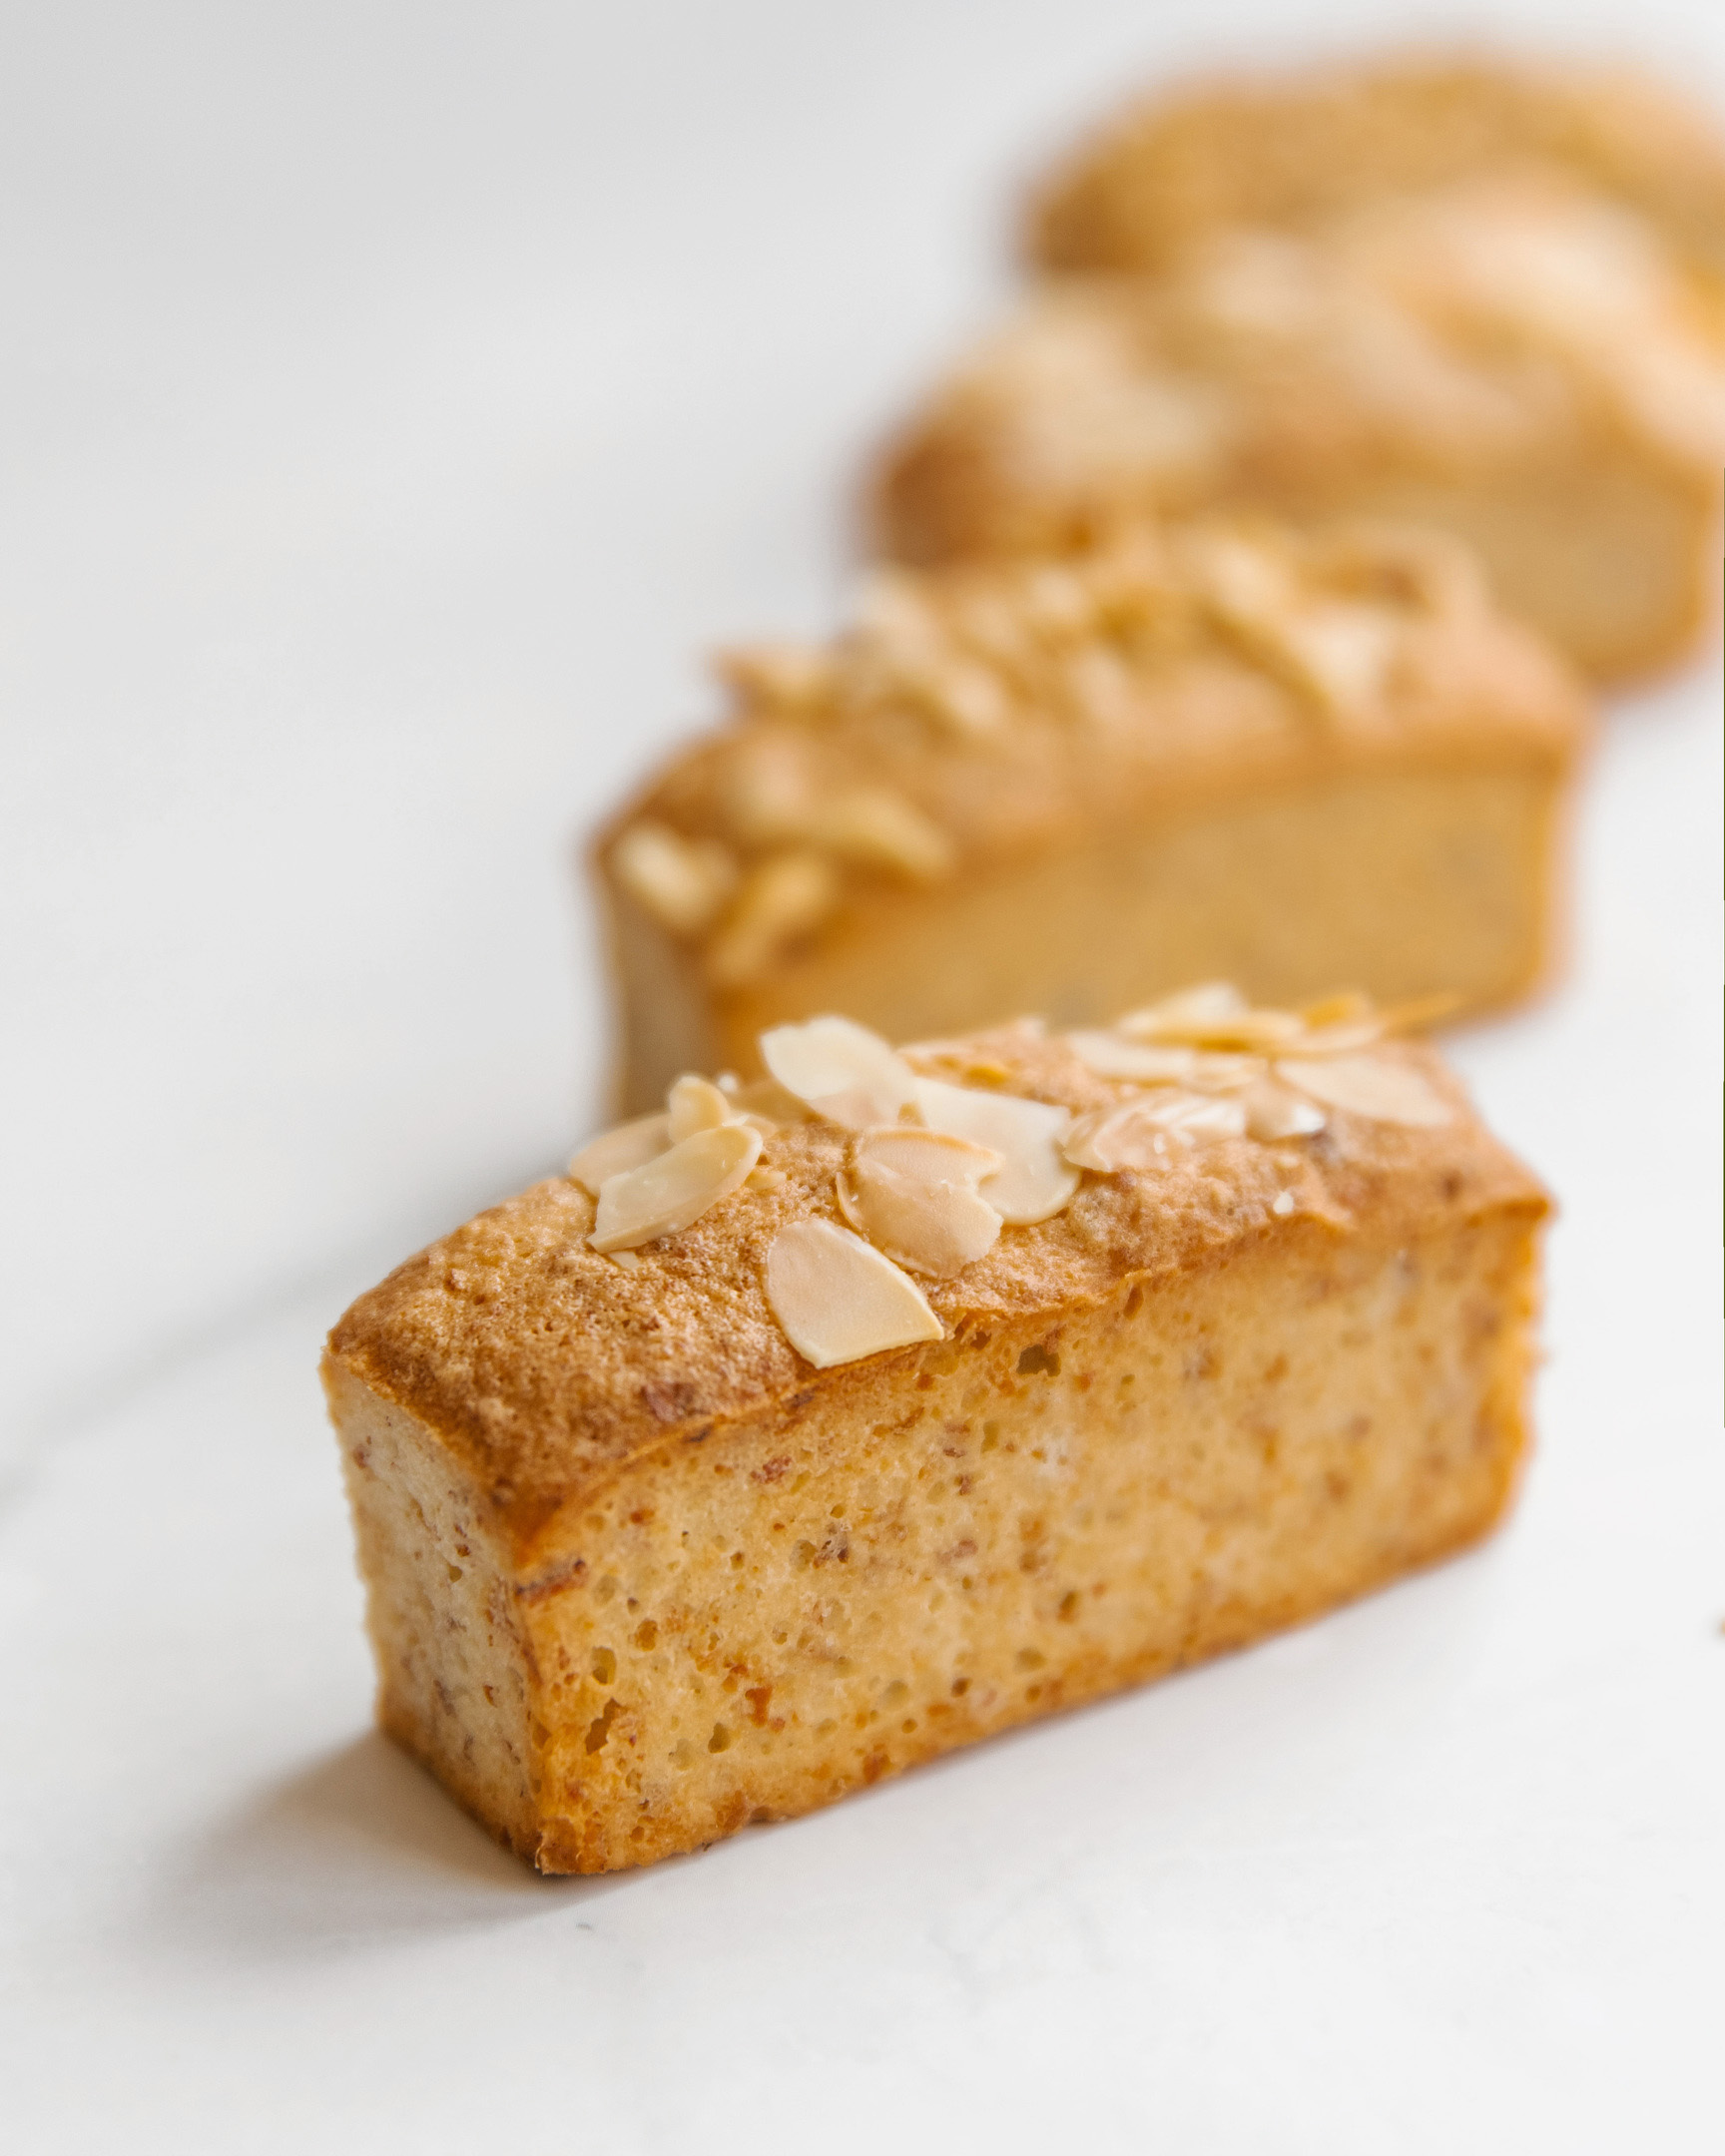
column 398, row 401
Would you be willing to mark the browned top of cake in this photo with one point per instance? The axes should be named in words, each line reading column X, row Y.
column 975, row 713
column 1293, row 149
column 545, row 1363
column 1431, row 337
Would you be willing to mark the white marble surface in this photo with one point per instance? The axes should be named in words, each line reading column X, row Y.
column 396, row 404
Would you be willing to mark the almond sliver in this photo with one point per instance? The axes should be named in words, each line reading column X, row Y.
column 672, row 1192
column 933, row 1227
column 614, row 1152
column 1109, row 1056
column 839, row 1298
column 1368, row 1086
column 1034, row 1182
column 841, row 1071
column 696, row 1104
column 927, row 1156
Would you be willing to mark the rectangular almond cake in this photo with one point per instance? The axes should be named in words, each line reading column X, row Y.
column 1067, row 787
column 812, row 1428
column 1514, row 358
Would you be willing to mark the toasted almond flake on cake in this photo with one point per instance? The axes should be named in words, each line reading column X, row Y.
column 671, row 1191
column 839, row 1298
column 841, row 1071
column 1033, row 1182
column 1135, row 1134
column 1275, row 1111
column 696, row 1104
column 682, row 881
column 616, row 1150
column 1222, row 1070
column 1367, row 1086
column 1111, row 1057
column 914, row 1193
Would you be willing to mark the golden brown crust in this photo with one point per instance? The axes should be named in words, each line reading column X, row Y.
column 545, row 1366
column 1293, row 149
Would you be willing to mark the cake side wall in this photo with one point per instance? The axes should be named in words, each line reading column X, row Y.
column 1403, row 882
column 1608, row 550
column 454, row 1684
column 758, row 1625
column 663, row 1020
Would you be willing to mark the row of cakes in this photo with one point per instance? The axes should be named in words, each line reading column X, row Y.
column 1238, row 610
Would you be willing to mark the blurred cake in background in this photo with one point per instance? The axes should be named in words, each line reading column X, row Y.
column 1066, row 784
column 1481, row 299
column 1292, row 150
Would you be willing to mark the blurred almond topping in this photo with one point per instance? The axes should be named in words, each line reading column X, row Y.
column 1273, row 1111
column 783, row 897
column 1368, row 1086
column 839, row 1298
column 785, row 677
column 682, row 881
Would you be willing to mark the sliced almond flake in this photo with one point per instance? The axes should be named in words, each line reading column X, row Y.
column 668, row 1194
column 1136, row 1134
column 682, row 881
column 927, row 1156
column 839, row 1298
column 1343, row 1038
column 933, row 1227
column 1341, row 652
column 1034, row 1182
column 692, row 1104
column 841, row 1071
column 1187, row 1007
column 1201, row 1115
column 1368, row 1086
column 765, row 1101
column 1111, row 1057
column 625, row 1260
column 881, row 829
column 1109, row 1140
column 616, row 1150
column 794, row 677
column 914, row 1193
column 1276, row 1111
column 1249, row 1030
column 1218, row 1071
column 784, row 896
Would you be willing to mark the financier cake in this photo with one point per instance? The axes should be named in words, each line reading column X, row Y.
column 1289, row 150
column 1218, row 749
column 1368, row 314
column 810, row 1430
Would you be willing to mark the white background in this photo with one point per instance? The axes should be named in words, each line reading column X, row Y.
column 396, row 401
